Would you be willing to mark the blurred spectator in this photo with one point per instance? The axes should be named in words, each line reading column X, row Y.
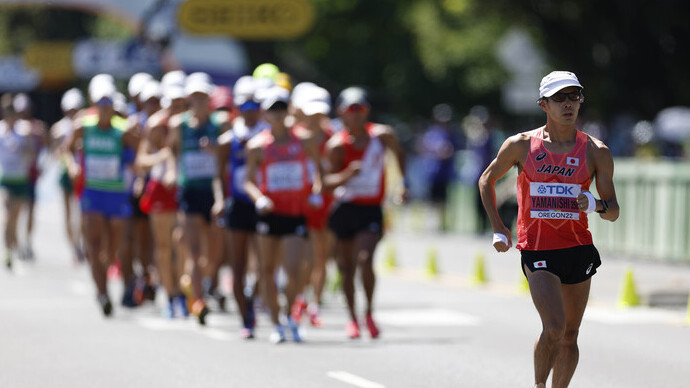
column 438, row 146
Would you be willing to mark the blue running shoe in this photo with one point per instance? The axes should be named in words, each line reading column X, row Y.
column 169, row 310
column 294, row 329
column 180, row 304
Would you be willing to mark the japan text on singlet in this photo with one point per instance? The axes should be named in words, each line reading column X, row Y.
column 547, row 190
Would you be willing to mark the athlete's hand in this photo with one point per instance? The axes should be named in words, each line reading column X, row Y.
column 74, row 171
column 354, row 167
column 138, row 186
column 264, row 205
column 501, row 246
column 217, row 209
column 169, row 179
column 582, row 201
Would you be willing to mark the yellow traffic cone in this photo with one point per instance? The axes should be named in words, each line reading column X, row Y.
column 431, row 264
column 628, row 296
column 687, row 319
column 479, row 275
column 335, row 282
column 390, row 263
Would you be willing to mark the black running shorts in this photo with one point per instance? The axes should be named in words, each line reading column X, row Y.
column 348, row 219
column 278, row 226
column 241, row 216
column 571, row 265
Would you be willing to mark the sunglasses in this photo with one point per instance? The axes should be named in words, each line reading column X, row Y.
column 572, row 96
column 355, row 108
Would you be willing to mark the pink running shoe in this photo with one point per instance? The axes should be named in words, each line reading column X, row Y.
column 371, row 325
column 352, row 329
column 299, row 306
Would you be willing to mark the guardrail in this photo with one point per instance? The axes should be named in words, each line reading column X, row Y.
column 654, row 222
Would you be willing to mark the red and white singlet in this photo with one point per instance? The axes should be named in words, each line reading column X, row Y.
column 367, row 187
column 547, row 190
column 284, row 175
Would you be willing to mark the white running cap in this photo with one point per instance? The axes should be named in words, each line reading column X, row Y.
column 152, row 89
column 315, row 100
column 72, row 99
column 273, row 95
column 555, row 81
column 137, row 82
column 100, row 90
column 244, row 89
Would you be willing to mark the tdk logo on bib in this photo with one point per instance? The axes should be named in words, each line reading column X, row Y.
column 554, row 189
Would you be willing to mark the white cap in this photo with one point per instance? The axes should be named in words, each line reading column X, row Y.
column 174, row 92
column 120, row 102
column 299, row 91
column 21, row 102
column 273, row 95
column 101, row 89
column 98, row 80
column 173, row 78
column 262, row 85
column 72, row 99
column 354, row 95
column 316, row 100
column 152, row 89
column 244, row 89
column 557, row 80
column 137, row 82
column 199, row 76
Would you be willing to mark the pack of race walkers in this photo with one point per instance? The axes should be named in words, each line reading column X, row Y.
column 188, row 177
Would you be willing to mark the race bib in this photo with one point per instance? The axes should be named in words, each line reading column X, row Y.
column 102, row 167
column 554, row 200
column 199, row 165
column 285, row 176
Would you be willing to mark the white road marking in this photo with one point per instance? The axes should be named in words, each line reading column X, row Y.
column 355, row 380
column 632, row 316
column 426, row 317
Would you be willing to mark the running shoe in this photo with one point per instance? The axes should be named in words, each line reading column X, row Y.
column 180, row 304
column 128, row 298
column 294, row 329
column 352, row 329
column 278, row 335
column 200, row 310
column 299, row 306
column 371, row 326
column 314, row 318
column 105, row 304
column 246, row 333
column 169, row 310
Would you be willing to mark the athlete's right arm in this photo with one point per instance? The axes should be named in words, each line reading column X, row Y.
column 512, row 153
column 338, row 175
column 254, row 156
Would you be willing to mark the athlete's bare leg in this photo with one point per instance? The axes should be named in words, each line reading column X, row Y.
column 12, row 208
column 365, row 244
column 321, row 243
column 294, row 260
column 239, row 248
column 162, row 226
column 575, row 298
column 347, row 265
column 269, row 259
column 95, row 235
column 547, row 296
column 195, row 230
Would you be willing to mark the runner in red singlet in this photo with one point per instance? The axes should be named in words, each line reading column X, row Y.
column 356, row 156
column 556, row 164
column 280, row 196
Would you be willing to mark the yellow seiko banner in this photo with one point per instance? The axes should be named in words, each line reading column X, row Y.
column 247, row 19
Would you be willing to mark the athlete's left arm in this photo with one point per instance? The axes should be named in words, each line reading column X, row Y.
column 602, row 160
column 387, row 136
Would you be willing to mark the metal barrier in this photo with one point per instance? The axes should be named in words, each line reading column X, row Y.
column 654, row 222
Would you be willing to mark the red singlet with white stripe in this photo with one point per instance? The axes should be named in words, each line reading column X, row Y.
column 367, row 187
column 547, row 190
column 284, row 177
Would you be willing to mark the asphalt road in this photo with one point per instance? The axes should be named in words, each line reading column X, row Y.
column 437, row 331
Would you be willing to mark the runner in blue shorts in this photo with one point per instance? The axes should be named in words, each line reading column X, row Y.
column 105, row 201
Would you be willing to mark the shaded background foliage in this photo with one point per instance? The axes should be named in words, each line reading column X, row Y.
column 631, row 55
